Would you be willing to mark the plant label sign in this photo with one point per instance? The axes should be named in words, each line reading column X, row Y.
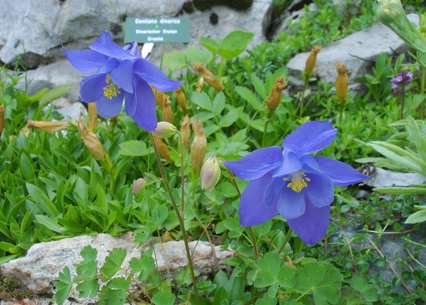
column 157, row 29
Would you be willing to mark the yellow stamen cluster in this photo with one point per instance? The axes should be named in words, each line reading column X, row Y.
column 298, row 182
column 111, row 90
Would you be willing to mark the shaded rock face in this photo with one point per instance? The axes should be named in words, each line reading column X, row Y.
column 39, row 269
column 357, row 51
column 35, row 29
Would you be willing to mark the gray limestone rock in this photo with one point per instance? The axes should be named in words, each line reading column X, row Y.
column 357, row 51
column 34, row 30
column 40, row 267
column 387, row 178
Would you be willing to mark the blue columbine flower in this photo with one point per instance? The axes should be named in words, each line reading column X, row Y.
column 292, row 183
column 120, row 74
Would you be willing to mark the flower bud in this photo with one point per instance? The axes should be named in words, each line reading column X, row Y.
column 341, row 81
column 208, row 76
column 93, row 116
column 185, row 132
column 47, row 126
column 311, row 62
column 162, row 148
column 210, row 174
column 1, row 118
column 276, row 94
column 198, row 146
column 138, row 184
column 181, row 99
column 164, row 130
column 200, row 85
column 160, row 97
column 391, row 13
column 91, row 141
column 167, row 111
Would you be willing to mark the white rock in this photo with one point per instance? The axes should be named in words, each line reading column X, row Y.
column 387, row 178
column 52, row 75
column 357, row 51
column 35, row 29
column 40, row 267
column 73, row 112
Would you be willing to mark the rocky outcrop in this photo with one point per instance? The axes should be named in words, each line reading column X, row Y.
column 39, row 269
column 356, row 51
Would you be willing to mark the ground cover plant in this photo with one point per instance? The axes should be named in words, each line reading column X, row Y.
column 179, row 179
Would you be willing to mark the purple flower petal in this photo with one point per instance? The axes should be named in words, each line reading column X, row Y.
column 110, row 64
column 340, row 173
column 105, row 45
column 319, row 190
column 91, row 87
column 109, row 108
column 253, row 210
column 273, row 191
column 313, row 224
column 290, row 164
column 257, row 163
column 310, row 137
column 85, row 60
column 290, row 204
column 122, row 75
column 145, row 115
column 132, row 49
column 152, row 75
column 130, row 104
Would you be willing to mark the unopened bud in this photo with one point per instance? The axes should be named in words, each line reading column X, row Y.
column 162, row 148
column 200, row 85
column 341, row 81
column 208, row 76
column 276, row 94
column 311, row 62
column 181, row 99
column 198, row 146
column 210, row 174
column 160, row 98
column 185, row 132
column 93, row 116
column 47, row 126
column 138, row 184
column 167, row 111
column 391, row 13
column 91, row 141
column 1, row 118
column 164, row 130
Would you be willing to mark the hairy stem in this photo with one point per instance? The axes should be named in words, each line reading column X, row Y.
column 180, row 218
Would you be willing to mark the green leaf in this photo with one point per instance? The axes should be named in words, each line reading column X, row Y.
column 54, row 94
column 50, row 223
column 26, row 167
column 145, row 266
column 175, row 60
column 322, row 280
column 210, row 44
column 417, row 217
column 234, row 43
column 268, row 270
column 259, row 86
column 369, row 292
column 113, row 262
column 134, row 148
column 194, row 55
column 409, row 190
column 218, row 103
column 115, row 292
column 163, row 298
column 249, row 97
column 202, row 100
column 87, row 288
column 230, row 118
column 62, row 286
column 41, row 200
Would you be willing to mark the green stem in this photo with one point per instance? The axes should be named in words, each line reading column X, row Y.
column 423, row 86
column 182, row 175
column 265, row 128
column 302, row 98
column 287, row 238
column 401, row 116
column 253, row 240
column 180, row 218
